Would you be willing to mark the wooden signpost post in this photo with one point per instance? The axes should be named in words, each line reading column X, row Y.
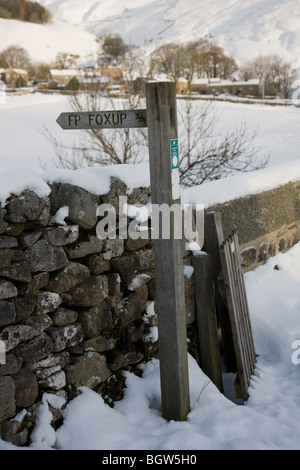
column 169, row 280
column 161, row 119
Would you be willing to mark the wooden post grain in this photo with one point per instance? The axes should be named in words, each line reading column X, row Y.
column 168, row 256
column 207, row 319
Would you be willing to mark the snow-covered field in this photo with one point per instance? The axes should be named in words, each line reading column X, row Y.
column 24, row 117
column 270, row 419
column 23, row 120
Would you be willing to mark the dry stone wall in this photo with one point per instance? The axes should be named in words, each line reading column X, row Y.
column 267, row 223
column 75, row 310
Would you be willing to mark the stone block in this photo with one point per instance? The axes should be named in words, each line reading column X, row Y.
column 96, row 319
column 26, row 387
column 60, row 236
column 90, row 292
column 28, row 207
column 85, row 248
column 7, row 289
column 65, row 336
column 42, row 256
column 68, row 277
column 64, row 316
column 7, row 312
column 87, row 370
column 82, row 204
column 47, row 302
column 128, row 310
column 7, row 394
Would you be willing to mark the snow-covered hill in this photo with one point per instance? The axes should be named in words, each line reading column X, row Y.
column 245, row 28
column 43, row 42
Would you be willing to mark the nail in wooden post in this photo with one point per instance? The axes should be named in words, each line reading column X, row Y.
column 169, row 280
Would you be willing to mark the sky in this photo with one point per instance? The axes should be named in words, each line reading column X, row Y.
column 270, row 418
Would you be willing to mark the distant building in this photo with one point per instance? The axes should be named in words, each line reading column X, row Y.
column 181, row 85
column 14, row 77
column 116, row 89
column 237, row 88
column 63, row 76
column 214, row 86
column 199, row 85
column 92, row 82
column 114, row 72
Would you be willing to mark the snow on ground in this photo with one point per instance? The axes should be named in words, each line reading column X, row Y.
column 270, row 419
column 23, row 120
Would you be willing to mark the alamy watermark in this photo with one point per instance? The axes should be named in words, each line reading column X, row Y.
column 176, row 221
column 2, row 352
column 2, row 92
column 295, row 87
column 296, row 354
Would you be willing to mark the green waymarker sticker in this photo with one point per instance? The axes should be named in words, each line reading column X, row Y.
column 174, row 153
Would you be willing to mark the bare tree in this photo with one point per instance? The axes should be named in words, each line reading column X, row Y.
column 65, row 60
column 98, row 146
column 205, row 156
column 201, row 59
column 168, row 59
column 271, row 70
column 40, row 71
column 15, row 56
column 112, row 47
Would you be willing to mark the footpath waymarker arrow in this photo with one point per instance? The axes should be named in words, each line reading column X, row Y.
column 103, row 119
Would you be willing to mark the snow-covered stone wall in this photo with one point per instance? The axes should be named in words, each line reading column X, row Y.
column 77, row 310
column 267, row 222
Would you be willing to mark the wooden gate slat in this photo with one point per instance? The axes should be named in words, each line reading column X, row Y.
column 234, row 318
column 244, row 312
column 230, row 250
column 238, row 311
column 206, row 319
column 252, row 355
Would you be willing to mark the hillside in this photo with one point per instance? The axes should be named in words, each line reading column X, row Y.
column 245, row 29
column 24, row 10
column 43, row 42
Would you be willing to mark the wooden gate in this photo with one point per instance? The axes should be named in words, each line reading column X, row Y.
column 238, row 313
